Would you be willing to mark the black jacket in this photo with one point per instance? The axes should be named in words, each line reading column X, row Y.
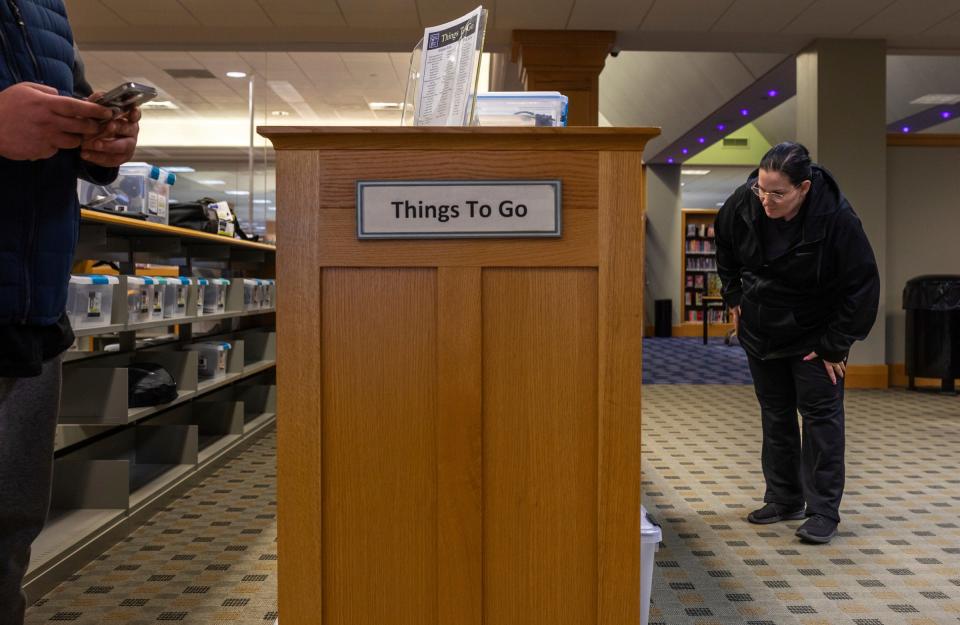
column 821, row 295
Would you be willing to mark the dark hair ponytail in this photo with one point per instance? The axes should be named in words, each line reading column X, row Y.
column 789, row 158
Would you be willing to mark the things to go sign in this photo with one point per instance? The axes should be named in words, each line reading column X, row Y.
column 450, row 209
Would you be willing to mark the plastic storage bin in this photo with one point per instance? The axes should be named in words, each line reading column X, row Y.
column 215, row 296
column 521, row 108
column 157, row 299
column 140, row 190
column 212, row 358
column 175, row 297
column 90, row 300
column 650, row 537
column 202, row 284
column 252, row 294
column 269, row 300
column 139, row 298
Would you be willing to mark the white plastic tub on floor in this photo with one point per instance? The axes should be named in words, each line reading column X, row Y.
column 650, row 537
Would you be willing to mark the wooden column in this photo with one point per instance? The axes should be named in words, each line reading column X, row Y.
column 568, row 61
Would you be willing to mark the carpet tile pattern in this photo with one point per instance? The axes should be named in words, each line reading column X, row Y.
column 209, row 557
column 896, row 560
column 684, row 360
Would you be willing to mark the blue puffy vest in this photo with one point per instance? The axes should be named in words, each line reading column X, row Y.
column 39, row 214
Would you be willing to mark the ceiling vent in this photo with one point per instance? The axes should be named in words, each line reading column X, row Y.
column 736, row 142
column 190, row 73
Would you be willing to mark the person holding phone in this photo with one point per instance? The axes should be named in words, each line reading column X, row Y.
column 50, row 134
column 801, row 281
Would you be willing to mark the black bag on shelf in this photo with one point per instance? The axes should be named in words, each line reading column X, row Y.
column 149, row 384
column 200, row 215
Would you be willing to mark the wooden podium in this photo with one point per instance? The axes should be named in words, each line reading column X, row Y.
column 459, row 419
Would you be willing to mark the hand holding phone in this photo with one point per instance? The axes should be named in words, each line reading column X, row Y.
column 125, row 96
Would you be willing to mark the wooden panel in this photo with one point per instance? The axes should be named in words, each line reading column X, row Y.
column 459, row 442
column 539, row 446
column 456, row 139
column 298, row 368
column 620, row 339
column 867, row 376
column 898, row 377
column 337, row 246
column 379, row 353
column 341, row 171
column 923, row 140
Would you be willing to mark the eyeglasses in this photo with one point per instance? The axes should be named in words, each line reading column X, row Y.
column 775, row 196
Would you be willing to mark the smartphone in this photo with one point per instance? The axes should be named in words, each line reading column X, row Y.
column 125, row 96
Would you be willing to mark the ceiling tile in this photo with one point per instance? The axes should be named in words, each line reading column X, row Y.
column 756, row 16
column 92, row 13
column 684, row 15
column 303, row 12
column 908, row 18
column 833, row 17
column 152, row 14
column 435, row 12
column 589, row 15
column 387, row 14
column 533, row 14
column 241, row 13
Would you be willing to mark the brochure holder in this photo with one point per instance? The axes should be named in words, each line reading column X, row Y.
column 443, row 83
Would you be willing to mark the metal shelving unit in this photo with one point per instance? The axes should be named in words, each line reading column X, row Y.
column 114, row 465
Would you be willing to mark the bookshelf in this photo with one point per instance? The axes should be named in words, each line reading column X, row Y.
column 698, row 275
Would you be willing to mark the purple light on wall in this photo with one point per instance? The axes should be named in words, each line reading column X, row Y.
column 905, row 129
column 701, row 140
column 945, row 115
column 670, row 161
column 772, row 93
column 721, row 127
column 744, row 112
column 685, row 151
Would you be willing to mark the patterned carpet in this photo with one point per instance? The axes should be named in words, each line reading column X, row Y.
column 210, row 557
column 681, row 360
column 896, row 560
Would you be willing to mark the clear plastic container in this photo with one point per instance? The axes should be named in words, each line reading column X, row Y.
column 521, row 108
column 212, row 358
column 215, row 296
column 90, row 300
column 139, row 298
column 175, row 297
column 650, row 537
column 157, row 299
column 147, row 189
column 202, row 285
column 269, row 300
column 252, row 294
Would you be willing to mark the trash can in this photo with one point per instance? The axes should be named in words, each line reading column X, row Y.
column 650, row 537
column 933, row 329
column 662, row 318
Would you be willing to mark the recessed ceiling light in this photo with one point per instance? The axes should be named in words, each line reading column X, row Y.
column 237, row 192
column 236, row 74
column 180, row 170
column 272, row 209
column 280, row 113
column 385, row 106
column 211, row 182
column 159, row 104
column 261, row 201
column 937, row 98
column 694, row 172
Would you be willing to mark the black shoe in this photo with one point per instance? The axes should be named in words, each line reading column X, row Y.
column 818, row 529
column 774, row 513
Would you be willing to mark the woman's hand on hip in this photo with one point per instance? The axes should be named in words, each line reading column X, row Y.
column 834, row 369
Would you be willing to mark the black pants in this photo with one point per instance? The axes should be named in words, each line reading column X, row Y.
column 808, row 470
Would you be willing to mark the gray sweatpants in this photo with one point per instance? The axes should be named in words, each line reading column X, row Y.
column 28, row 421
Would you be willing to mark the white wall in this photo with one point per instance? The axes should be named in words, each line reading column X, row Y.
column 662, row 252
column 923, row 226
